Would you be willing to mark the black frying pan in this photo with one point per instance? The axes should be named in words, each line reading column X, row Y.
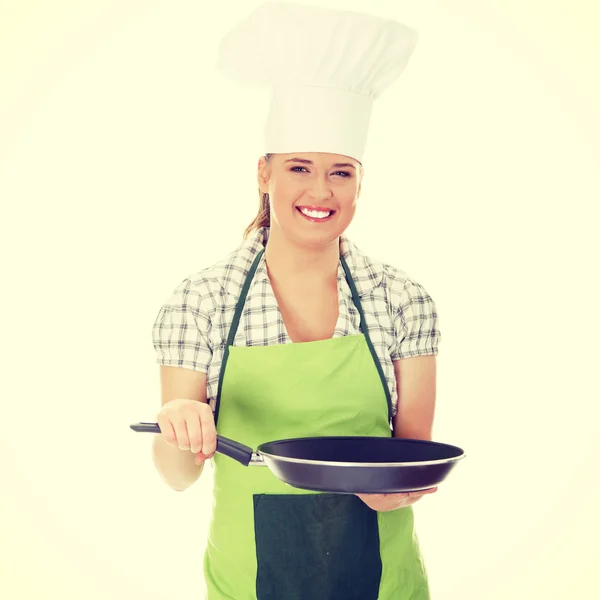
column 347, row 465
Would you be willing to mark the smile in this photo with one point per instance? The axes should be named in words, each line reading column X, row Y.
column 316, row 214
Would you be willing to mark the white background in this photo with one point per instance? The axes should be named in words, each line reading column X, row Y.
column 126, row 162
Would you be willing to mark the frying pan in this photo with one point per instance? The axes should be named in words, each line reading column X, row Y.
column 346, row 464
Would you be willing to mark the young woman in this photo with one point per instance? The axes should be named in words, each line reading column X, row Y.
column 296, row 305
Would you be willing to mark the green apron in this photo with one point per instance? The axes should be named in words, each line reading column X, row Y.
column 270, row 541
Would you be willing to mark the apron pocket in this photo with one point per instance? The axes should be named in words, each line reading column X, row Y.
column 322, row 546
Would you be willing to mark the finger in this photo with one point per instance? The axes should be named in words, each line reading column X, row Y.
column 209, row 433
column 199, row 458
column 166, row 430
column 369, row 497
column 194, row 431
column 414, row 496
column 379, row 497
column 183, row 441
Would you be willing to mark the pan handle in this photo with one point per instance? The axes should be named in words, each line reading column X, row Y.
column 243, row 454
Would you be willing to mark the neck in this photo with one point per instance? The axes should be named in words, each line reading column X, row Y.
column 288, row 260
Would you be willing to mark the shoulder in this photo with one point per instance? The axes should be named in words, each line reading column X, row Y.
column 413, row 318
column 403, row 289
column 370, row 274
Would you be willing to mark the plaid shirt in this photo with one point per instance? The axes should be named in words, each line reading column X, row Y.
column 191, row 328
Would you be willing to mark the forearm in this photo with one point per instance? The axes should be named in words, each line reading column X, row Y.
column 415, row 431
column 416, row 378
column 176, row 467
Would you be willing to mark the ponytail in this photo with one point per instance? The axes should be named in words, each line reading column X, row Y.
column 263, row 218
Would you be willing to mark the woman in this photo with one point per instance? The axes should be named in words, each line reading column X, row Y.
column 298, row 333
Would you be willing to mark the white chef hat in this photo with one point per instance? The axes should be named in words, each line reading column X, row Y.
column 325, row 67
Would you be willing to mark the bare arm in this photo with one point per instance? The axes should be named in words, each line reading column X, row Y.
column 416, row 384
column 186, row 427
column 416, row 379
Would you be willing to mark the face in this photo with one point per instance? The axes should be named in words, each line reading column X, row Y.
column 313, row 195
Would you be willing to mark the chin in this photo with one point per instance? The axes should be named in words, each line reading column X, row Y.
column 318, row 236
column 310, row 234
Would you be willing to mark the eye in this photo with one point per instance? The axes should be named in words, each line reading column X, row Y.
column 343, row 174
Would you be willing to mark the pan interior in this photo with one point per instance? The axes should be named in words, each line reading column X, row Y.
column 361, row 449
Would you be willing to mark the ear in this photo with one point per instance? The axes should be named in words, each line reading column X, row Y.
column 263, row 175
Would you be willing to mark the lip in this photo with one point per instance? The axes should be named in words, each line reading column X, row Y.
column 317, row 208
column 313, row 207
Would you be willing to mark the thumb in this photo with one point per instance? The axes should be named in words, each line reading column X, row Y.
column 199, row 458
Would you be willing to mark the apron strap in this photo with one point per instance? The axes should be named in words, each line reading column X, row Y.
column 239, row 307
column 238, row 313
column 365, row 330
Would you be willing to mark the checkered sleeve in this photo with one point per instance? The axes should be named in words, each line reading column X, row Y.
column 181, row 330
column 415, row 323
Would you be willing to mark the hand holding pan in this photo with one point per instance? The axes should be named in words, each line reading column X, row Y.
column 346, row 465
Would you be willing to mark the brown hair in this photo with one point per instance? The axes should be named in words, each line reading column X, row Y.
column 263, row 218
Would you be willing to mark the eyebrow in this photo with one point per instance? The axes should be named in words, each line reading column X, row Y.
column 310, row 162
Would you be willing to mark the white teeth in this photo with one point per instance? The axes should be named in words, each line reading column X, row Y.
column 315, row 214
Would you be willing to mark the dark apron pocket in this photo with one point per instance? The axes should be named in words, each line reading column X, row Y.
column 316, row 546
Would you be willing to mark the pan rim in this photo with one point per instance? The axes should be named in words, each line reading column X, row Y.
column 332, row 463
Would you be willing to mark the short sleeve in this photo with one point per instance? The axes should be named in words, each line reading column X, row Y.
column 181, row 330
column 415, row 323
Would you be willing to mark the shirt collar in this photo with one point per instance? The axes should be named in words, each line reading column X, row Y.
column 366, row 273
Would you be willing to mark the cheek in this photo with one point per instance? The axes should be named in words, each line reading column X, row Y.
column 280, row 206
column 347, row 199
column 283, row 196
column 347, row 203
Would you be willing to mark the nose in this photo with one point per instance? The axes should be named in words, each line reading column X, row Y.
column 320, row 189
